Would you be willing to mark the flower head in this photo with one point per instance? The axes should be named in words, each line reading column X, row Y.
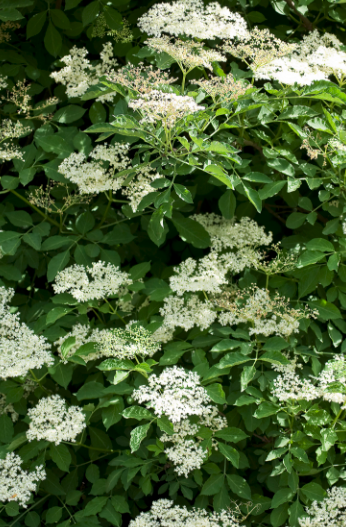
column 52, row 421
column 17, row 484
column 105, row 280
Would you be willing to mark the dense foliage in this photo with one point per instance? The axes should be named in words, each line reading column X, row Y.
column 172, row 272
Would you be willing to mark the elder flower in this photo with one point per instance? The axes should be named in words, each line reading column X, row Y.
column 79, row 74
column 17, row 484
column 176, row 393
column 51, row 421
column 164, row 513
column 194, row 19
column 106, row 279
column 330, row 512
column 167, row 108
column 20, row 349
column 188, row 55
column 99, row 175
column 141, row 79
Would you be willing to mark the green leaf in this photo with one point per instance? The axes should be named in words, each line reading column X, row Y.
column 227, row 204
column 33, row 239
column 10, row 15
column 112, row 414
column 57, row 264
column 90, row 390
column 183, row 193
column 191, row 231
column 313, row 491
column 137, row 435
column 271, row 189
column 6, row 427
column 230, row 453
column 35, row 24
column 253, row 197
column 59, row 19
column 326, row 310
column 19, row 218
column 232, row 359
column 275, row 357
column 69, row 114
column 213, row 485
column 60, row 454
column 231, row 434
column 52, row 40
column 140, row 270
column 239, row 486
column 165, row 425
column 56, row 313
column 95, row 505
column 257, row 177
column 279, row 515
column 156, row 227
column 281, row 496
column 320, row 244
column 329, row 438
column 309, row 258
column 266, row 409
column 296, row 512
column 218, row 172
column 295, row 220
column 85, row 222
column 221, row 500
column 113, row 18
column 216, row 393
column 137, row 412
column 90, row 12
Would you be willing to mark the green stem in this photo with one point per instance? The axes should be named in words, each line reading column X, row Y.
column 337, row 417
column 35, row 208
column 28, row 510
column 38, row 382
column 91, row 447
column 107, row 210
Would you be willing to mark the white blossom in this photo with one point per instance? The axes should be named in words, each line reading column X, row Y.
column 229, row 234
column 17, row 484
column 267, row 315
column 330, row 512
column 140, row 186
column 330, row 378
column 176, row 393
column 167, row 108
column 194, row 19
column 20, row 349
column 206, row 274
column 178, row 312
column 289, row 386
column 52, row 421
column 164, row 513
column 186, row 456
column 95, row 176
column 105, row 280
column 79, row 74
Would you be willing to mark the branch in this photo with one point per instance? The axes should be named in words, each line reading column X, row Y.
column 305, row 21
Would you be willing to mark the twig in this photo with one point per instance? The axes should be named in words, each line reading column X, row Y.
column 305, row 21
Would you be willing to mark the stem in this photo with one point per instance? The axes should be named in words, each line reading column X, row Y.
column 107, row 209
column 91, row 447
column 28, row 510
column 38, row 382
column 337, row 418
column 35, row 208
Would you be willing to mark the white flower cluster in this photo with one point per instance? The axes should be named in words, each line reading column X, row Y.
column 106, row 279
column 51, row 421
column 186, row 453
column 79, row 74
column 95, row 176
column 288, row 386
column 166, row 107
column 194, row 19
column 20, row 349
column 186, row 313
column 3, row 82
column 267, row 315
column 317, row 57
column 331, row 377
column 17, row 484
column 188, row 55
column 140, row 186
column 176, row 393
column 330, row 512
column 233, row 248
column 164, row 513
column 120, row 343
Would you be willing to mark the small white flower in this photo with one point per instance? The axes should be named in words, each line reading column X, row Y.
column 17, row 484
column 52, row 421
column 106, row 279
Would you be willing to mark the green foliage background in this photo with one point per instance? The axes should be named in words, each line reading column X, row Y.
column 102, row 483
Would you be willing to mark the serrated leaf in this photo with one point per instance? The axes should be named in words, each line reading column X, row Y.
column 137, row 436
column 230, row 453
column 137, row 412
